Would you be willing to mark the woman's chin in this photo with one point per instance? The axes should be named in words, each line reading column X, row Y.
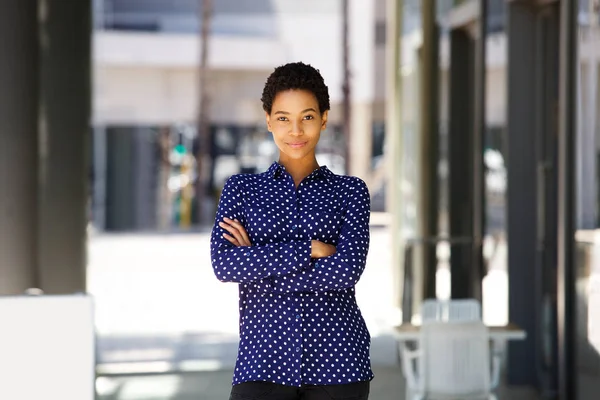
column 296, row 155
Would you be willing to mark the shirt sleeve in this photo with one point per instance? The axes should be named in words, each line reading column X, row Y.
column 251, row 263
column 343, row 269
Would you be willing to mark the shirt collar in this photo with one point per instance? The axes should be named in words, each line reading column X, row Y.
column 276, row 169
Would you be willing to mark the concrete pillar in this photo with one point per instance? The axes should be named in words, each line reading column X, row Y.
column 567, row 153
column 394, row 142
column 521, row 199
column 428, row 201
column 362, row 63
column 19, row 85
column 66, row 29
column 460, row 150
column 361, row 140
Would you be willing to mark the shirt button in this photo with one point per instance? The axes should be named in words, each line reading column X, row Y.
column 294, row 227
column 297, row 348
column 297, row 317
column 316, row 265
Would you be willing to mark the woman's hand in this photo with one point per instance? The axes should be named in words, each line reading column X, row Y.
column 320, row 250
column 238, row 235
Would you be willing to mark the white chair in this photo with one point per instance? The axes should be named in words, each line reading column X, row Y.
column 452, row 362
column 450, row 310
column 447, row 311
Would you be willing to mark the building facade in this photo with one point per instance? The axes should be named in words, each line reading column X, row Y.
column 503, row 142
column 146, row 63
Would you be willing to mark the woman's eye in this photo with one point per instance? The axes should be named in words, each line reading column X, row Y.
column 309, row 117
column 282, row 119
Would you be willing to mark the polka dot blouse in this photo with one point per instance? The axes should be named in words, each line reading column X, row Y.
column 299, row 321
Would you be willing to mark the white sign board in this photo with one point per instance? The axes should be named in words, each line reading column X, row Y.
column 47, row 348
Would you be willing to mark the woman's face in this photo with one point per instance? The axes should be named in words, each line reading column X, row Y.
column 296, row 124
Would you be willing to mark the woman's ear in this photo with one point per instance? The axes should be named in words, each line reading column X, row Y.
column 324, row 120
column 268, row 119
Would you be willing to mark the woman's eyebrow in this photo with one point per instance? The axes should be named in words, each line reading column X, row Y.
column 302, row 112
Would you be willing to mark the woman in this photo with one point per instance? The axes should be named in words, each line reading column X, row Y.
column 296, row 239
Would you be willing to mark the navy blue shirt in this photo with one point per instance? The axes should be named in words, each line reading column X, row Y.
column 299, row 321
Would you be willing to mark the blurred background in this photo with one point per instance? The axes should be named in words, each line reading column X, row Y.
column 475, row 123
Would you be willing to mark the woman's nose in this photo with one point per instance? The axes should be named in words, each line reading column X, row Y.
column 296, row 128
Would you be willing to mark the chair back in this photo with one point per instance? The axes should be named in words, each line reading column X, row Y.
column 451, row 310
column 456, row 360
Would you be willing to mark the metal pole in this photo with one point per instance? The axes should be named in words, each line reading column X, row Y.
column 346, row 83
column 100, row 175
column 567, row 321
column 478, row 149
column 204, row 149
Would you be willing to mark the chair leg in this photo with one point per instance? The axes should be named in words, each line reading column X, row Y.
column 412, row 395
column 408, row 393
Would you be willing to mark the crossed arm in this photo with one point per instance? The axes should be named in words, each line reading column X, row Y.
column 294, row 266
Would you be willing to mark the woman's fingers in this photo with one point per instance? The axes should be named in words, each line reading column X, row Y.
column 233, row 232
column 237, row 231
column 231, row 239
column 245, row 239
column 242, row 230
column 228, row 228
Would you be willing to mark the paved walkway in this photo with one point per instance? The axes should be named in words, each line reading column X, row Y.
column 157, row 300
column 159, row 308
column 215, row 385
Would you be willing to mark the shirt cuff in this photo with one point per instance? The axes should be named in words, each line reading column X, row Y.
column 295, row 256
column 261, row 286
column 303, row 251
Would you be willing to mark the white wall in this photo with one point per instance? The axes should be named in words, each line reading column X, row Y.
column 362, row 50
column 143, row 96
column 155, row 50
column 137, row 95
column 150, row 78
column 315, row 39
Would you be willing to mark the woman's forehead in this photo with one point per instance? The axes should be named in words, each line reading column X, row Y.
column 295, row 100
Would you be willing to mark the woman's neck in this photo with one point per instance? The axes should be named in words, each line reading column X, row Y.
column 299, row 169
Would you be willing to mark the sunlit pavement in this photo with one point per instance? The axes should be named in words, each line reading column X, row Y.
column 215, row 385
column 160, row 309
column 157, row 300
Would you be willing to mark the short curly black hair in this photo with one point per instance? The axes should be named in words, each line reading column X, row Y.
column 292, row 76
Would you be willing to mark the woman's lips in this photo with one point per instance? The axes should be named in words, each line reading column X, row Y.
column 297, row 145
